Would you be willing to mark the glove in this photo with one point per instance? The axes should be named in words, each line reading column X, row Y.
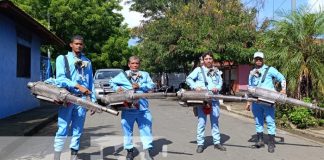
column 83, row 90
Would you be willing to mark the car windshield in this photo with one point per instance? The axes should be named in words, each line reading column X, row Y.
column 106, row 74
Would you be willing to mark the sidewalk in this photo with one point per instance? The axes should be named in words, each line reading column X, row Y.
column 316, row 134
column 29, row 122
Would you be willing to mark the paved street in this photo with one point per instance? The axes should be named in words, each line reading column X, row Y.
column 174, row 139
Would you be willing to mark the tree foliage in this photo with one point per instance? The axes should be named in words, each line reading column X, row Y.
column 96, row 21
column 291, row 45
column 188, row 28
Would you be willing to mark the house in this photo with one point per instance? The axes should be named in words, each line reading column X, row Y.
column 235, row 76
column 20, row 40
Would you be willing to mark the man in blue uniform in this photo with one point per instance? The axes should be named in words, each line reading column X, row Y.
column 73, row 72
column 139, row 82
column 208, row 78
column 263, row 76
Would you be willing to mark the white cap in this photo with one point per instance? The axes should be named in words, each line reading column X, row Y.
column 258, row 54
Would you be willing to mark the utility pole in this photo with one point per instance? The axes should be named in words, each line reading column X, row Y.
column 293, row 5
column 48, row 69
column 49, row 28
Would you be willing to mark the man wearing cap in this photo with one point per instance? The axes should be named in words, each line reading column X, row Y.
column 262, row 76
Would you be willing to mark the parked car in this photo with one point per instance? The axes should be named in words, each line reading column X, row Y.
column 101, row 81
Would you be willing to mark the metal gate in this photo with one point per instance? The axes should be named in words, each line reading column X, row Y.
column 45, row 68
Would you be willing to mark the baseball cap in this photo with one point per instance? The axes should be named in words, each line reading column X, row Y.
column 258, row 54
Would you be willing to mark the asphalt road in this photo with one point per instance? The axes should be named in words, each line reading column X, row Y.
column 174, row 129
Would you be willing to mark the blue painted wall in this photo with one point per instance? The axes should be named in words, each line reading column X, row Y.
column 14, row 94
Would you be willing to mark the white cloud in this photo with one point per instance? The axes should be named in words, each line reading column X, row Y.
column 316, row 5
column 132, row 18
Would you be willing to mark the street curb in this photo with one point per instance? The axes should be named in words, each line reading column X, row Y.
column 228, row 108
column 303, row 133
column 34, row 129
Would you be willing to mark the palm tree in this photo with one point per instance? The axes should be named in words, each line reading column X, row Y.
column 291, row 44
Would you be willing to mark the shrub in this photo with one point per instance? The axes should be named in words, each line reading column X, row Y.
column 302, row 118
column 283, row 121
column 321, row 122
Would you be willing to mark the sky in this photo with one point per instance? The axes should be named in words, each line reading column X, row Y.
column 132, row 18
column 272, row 7
column 269, row 10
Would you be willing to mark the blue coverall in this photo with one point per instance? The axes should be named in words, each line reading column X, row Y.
column 142, row 115
column 72, row 114
column 264, row 110
column 195, row 80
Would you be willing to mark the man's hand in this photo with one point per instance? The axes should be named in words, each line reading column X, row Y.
column 208, row 105
column 248, row 106
column 214, row 90
column 135, row 85
column 92, row 112
column 120, row 89
column 198, row 89
column 83, row 90
column 58, row 102
column 283, row 91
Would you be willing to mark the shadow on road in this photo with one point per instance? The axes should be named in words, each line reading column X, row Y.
column 89, row 132
column 280, row 141
column 209, row 140
column 159, row 147
column 116, row 150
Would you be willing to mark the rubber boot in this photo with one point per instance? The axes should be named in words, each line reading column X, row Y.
column 74, row 154
column 260, row 142
column 271, row 144
column 200, row 149
column 148, row 154
column 219, row 147
column 130, row 155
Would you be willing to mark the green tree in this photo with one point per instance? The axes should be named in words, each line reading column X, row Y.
column 290, row 44
column 154, row 9
column 189, row 28
column 114, row 54
column 96, row 21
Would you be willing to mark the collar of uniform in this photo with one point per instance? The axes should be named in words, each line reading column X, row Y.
column 264, row 67
column 207, row 69
column 130, row 71
column 73, row 55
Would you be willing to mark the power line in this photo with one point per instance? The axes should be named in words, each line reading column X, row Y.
column 245, row 4
column 280, row 5
column 278, row 8
column 312, row 6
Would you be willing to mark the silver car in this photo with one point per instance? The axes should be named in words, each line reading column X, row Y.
column 101, row 81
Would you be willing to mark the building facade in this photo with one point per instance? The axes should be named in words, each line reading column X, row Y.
column 20, row 40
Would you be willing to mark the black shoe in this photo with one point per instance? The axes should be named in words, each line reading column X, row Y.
column 200, row 149
column 130, row 155
column 260, row 142
column 219, row 147
column 148, row 154
column 74, row 154
column 271, row 143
